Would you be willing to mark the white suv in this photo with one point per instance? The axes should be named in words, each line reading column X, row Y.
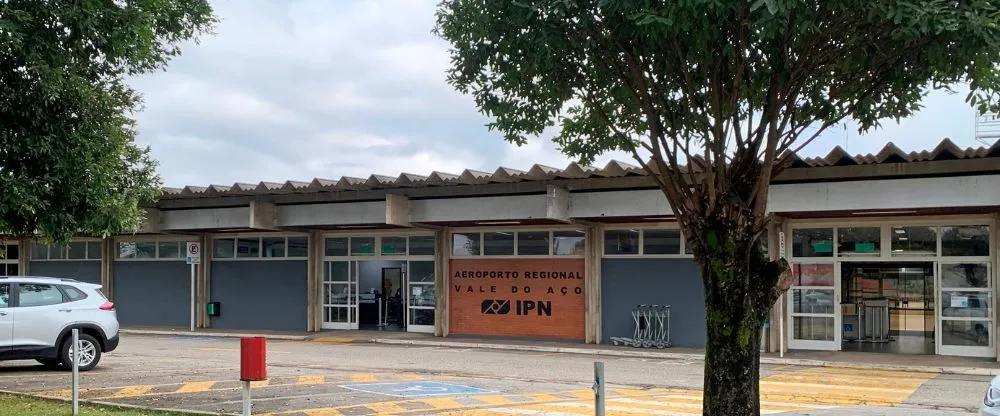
column 37, row 315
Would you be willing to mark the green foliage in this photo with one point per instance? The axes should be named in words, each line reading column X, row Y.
column 617, row 73
column 69, row 163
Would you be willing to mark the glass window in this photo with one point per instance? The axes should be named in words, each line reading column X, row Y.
column 818, row 301
column 618, row 242
column 966, row 240
column 337, row 271
column 533, row 243
column 171, row 249
column 39, row 252
column 568, row 243
column 4, row 295
column 33, row 294
column 421, row 272
column 498, row 243
column 466, row 244
column 94, row 249
column 917, row 241
column 393, row 245
column 661, row 242
column 422, row 245
column 965, row 333
column 298, row 247
column 959, row 304
column 56, row 252
column 336, row 246
column 688, row 248
column 73, row 294
column 964, row 276
column 859, row 241
column 9, row 269
column 812, row 274
column 247, row 248
column 273, row 246
column 422, row 317
column 813, row 328
column 77, row 250
column 362, row 246
column 145, row 250
column 9, row 252
column 224, row 248
column 812, row 242
column 126, row 250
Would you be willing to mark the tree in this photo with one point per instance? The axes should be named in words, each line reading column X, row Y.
column 69, row 163
column 713, row 98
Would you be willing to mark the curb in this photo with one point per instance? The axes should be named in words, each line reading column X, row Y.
column 109, row 404
column 212, row 334
column 975, row 371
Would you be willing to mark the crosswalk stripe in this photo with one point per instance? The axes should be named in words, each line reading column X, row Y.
column 310, row 380
column 196, row 387
column 131, row 391
column 362, row 377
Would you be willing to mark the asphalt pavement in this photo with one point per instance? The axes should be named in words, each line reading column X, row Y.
column 347, row 378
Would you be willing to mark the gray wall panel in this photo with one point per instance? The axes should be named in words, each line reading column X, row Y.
column 267, row 294
column 626, row 283
column 83, row 270
column 152, row 293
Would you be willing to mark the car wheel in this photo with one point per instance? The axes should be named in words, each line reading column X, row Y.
column 50, row 362
column 90, row 353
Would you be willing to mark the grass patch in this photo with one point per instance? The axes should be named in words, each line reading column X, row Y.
column 13, row 405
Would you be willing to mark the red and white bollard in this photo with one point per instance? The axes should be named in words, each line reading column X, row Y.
column 253, row 366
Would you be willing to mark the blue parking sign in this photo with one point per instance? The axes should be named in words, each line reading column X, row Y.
column 416, row 389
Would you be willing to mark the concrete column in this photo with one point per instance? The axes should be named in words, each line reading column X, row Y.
column 109, row 251
column 315, row 282
column 592, row 285
column 203, row 283
column 442, row 240
column 24, row 256
column 778, row 310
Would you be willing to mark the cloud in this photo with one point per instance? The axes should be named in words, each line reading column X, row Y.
column 314, row 88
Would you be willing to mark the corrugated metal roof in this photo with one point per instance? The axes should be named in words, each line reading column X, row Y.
column 946, row 150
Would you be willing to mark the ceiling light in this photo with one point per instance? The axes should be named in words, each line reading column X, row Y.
column 900, row 231
column 499, row 223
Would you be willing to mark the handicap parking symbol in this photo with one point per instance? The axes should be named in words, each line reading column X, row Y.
column 416, row 389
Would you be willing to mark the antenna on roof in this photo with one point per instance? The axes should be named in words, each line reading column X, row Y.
column 987, row 128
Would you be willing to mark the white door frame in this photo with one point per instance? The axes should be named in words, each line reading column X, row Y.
column 806, row 344
column 408, row 294
column 968, row 351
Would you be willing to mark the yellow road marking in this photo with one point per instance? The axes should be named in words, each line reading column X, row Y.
column 411, row 376
column 260, row 383
column 310, row 380
column 131, row 391
column 196, row 387
column 362, row 377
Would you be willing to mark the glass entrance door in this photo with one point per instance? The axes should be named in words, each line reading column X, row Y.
column 888, row 307
column 812, row 309
column 420, row 299
column 966, row 309
column 340, row 295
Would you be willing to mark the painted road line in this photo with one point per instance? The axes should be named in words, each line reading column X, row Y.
column 306, row 380
column 439, row 404
column 411, row 376
column 132, row 391
column 339, row 340
column 195, row 387
column 363, row 377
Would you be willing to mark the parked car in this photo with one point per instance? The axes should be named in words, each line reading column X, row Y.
column 37, row 315
column 991, row 401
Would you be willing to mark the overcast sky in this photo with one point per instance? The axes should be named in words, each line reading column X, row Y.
column 297, row 89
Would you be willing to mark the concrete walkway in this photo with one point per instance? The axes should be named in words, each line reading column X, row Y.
column 855, row 360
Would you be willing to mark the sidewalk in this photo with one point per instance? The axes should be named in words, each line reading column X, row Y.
column 855, row 360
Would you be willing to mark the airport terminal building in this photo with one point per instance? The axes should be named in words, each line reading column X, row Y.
column 894, row 252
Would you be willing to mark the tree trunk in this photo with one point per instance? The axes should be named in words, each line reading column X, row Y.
column 741, row 286
column 732, row 361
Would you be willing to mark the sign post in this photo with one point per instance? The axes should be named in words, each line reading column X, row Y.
column 598, row 388
column 193, row 251
column 76, row 371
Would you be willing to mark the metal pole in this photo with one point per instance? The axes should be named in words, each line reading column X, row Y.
column 781, row 326
column 598, row 388
column 192, row 296
column 246, row 398
column 76, row 371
